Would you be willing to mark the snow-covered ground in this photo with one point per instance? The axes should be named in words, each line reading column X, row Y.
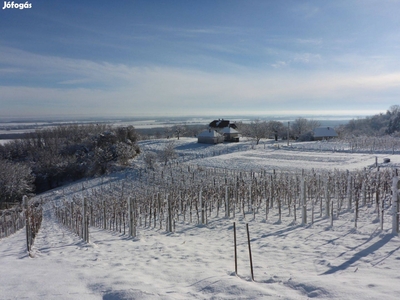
column 2, row 142
column 271, row 155
column 197, row 261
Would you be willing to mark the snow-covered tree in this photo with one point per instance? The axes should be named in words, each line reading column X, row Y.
column 16, row 180
column 302, row 126
column 150, row 159
column 276, row 129
column 167, row 153
column 256, row 130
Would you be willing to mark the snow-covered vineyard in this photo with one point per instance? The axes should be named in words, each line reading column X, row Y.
column 320, row 218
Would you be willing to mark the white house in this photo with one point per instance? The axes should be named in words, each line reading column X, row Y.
column 230, row 134
column 210, row 137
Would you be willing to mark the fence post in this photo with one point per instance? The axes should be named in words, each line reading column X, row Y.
column 104, row 215
column 327, row 197
column 349, row 190
column 251, row 259
column 395, row 206
column 201, row 206
column 170, row 213
column 234, row 242
column 130, row 216
column 303, row 201
column 84, row 220
column 227, row 210
column 25, row 202
column 134, row 216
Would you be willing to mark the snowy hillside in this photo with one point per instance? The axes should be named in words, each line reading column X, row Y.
column 196, row 261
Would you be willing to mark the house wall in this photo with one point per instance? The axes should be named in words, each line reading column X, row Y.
column 231, row 137
column 209, row 140
column 321, row 138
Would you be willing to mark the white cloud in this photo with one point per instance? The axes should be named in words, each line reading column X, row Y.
column 307, row 58
column 280, row 64
column 130, row 90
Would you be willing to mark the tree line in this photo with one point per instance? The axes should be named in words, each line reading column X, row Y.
column 51, row 157
column 300, row 129
column 377, row 125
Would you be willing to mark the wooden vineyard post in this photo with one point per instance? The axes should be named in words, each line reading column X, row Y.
column 4, row 227
column 271, row 191
column 160, row 213
column 356, row 211
column 395, row 206
column 327, row 198
column 349, row 190
column 236, row 196
column 130, row 216
column 251, row 259
column 25, row 202
column 227, row 212
column 235, row 246
column 382, row 212
column 71, row 217
column 155, row 213
column 312, row 211
column 170, row 213
column 85, row 230
column 201, row 204
column 250, row 206
column 303, row 201
column 104, row 215
column 279, row 209
column 378, row 179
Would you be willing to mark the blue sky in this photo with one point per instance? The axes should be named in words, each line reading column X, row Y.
column 170, row 58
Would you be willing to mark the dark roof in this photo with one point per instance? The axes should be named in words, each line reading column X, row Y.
column 222, row 124
column 325, row 132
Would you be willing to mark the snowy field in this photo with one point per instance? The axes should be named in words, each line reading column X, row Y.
column 272, row 155
column 2, row 142
column 290, row 261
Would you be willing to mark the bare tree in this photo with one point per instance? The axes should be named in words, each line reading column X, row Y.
column 313, row 124
column 179, row 130
column 256, row 130
column 394, row 109
column 302, row 126
column 167, row 131
column 276, row 129
column 150, row 159
column 299, row 127
column 168, row 152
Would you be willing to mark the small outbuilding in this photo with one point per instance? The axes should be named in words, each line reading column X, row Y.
column 210, row 137
column 230, row 134
column 324, row 133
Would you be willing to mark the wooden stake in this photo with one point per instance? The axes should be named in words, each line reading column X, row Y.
column 25, row 201
column 234, row 241
column 251, row 260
